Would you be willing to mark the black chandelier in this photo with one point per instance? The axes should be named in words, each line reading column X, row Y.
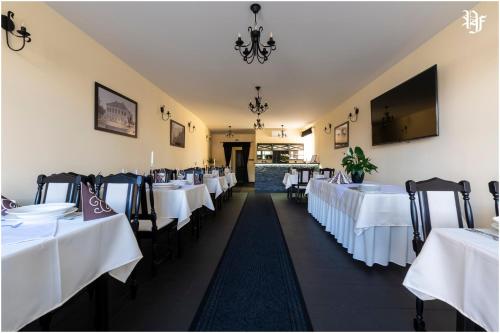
column 255, row 49
column 258, row 125
column 9, row 27
column 229, row 133
column 259, row 107
column 283, row 133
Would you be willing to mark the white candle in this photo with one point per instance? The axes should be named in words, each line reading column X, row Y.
column 152, row 158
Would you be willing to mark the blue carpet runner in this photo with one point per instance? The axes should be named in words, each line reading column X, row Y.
column 254, row 287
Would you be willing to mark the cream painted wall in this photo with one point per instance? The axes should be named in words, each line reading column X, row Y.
column 467, row 145
column 217, row 150
column 48, row 108
column 292, row 136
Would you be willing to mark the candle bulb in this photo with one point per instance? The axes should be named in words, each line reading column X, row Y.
column 239, row 35
column 152, row 158
column 271, row 35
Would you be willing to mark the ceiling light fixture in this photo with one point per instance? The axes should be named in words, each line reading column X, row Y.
column 283, row 133
column 259, row 107
column 255, row 49
column 229, row 133
column 258, row 125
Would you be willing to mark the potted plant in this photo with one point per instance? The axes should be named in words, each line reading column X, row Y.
column 356, row 164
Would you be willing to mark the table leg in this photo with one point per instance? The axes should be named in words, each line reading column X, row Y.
column 101, row 303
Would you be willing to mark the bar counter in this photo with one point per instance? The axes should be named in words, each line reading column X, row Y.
column 269, row 176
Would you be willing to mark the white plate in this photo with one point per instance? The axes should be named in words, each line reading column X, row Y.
column 27, row 219
column 167, row 186
column 40, row 210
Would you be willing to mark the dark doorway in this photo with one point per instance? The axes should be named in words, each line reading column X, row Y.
column 239, row 165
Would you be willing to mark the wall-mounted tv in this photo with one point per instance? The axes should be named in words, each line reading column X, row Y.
column 408, row 111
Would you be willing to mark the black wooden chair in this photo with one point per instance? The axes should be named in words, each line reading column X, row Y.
column 170, row 174
column 150, row 227
column 122, row 192
column 61, row 187
column 329, row 172
column 303, row 177
column 194, row 175
column 493, row 186
column 439, row 206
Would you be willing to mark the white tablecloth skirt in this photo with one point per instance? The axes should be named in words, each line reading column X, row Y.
column 375, row 245
column 231, row 179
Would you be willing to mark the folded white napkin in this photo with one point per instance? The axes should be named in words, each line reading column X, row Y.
column 341, row 178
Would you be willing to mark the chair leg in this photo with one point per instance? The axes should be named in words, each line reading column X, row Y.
column 418, row 322
column 154, row 254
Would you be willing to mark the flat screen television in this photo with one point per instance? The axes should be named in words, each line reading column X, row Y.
column 408, row 111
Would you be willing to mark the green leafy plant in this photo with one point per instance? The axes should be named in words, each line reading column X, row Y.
column 356, row 161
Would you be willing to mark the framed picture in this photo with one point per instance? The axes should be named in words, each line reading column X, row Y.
column 177, row 134
column 341, row 135
column 114, row 113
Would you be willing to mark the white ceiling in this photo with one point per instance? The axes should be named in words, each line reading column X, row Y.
column 326, row 50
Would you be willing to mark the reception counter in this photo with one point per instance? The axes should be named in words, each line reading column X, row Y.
column 269, row 176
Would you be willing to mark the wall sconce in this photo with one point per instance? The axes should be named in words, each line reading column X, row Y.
column 9, row 26
column 355, row 117
column 328, row 129
column 163, row 113
column 208, row 137
column 191, row 128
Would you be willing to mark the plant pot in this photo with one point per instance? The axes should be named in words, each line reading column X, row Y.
column 357, row 176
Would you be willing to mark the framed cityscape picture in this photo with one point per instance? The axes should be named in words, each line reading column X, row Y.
column 177, row 134
column 341, row 135
column 114, row 113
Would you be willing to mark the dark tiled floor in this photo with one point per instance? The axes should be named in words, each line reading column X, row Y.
column 168, row 301
column 343, row 294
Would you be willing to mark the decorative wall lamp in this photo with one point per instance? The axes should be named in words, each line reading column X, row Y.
column 191, row 128
column 355, row 117
column 328, row 129
column 208, row 137
column 165, row 115
column 9, row 27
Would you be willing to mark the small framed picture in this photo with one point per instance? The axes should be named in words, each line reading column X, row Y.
column 177, row 134
column 114, row 113
column 341, row 135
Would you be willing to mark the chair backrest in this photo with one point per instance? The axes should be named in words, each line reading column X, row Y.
column 61, row 187
column 439, row 206
column 329, row 172
column 147, row 210
column 194, row 175
column 304, row 175
column 493, row 187
column 122, row 192
column 164, row 175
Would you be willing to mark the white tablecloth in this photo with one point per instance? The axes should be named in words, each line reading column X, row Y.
column 40, row 275
column 231, row 179
column 292, row 179
column 214, row 185
column 224, row 183
column 373, row 227
column 460, row 268
column 179, row 204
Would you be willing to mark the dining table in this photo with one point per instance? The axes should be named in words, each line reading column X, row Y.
column 171, row 204
column 459, row 266
column 48, row 260
column 231, row 179
column 375, row 227
column 291, row 179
